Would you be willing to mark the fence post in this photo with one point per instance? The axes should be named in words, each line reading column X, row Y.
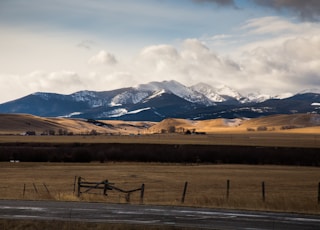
column 105, row 189
column 184, row 192
column 128, row 197
column 319, row 193
column 35, row 188
column 45, row 186
column 263, row 192
column 74, row 184
column 142, row 194
column 79, row 184
column 24, row 189
column 228, row 189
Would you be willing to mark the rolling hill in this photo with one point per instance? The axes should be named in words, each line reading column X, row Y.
column 19, row 124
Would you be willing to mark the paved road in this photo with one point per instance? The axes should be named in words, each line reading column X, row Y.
column 195, row 218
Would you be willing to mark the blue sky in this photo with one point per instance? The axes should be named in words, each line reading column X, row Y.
column 270, row 47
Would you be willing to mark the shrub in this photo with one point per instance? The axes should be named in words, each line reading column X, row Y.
column 262, row 128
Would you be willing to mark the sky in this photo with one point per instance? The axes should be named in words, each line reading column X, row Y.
column 266, row 46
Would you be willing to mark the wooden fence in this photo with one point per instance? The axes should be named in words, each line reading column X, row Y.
column 35, row 189
column 82, row 186
column 105, row 185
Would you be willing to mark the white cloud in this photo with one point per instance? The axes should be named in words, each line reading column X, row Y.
column 25, row 50
column 103, row 58
column 288, row 60
column 192, row 63
column 270, row 25
column 302, row 49
column 13, row 86
column 278, row 56
column 63, row 81
column 157, row 59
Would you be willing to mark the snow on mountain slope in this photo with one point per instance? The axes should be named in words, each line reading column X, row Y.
column 129, row 97
column 257, row 97
column 90, row 97
column 228, row 91
column 157, row 100
column 224, row 93
column 176, row 88
column 71, row 114
column 200, row 93
column 114, row 113
column 44, row 96
column 208, row 91
column 138, row 110
column 121, row 112
column 313, row 90
column 84, row 95
column 154, row 95
column 283, row 96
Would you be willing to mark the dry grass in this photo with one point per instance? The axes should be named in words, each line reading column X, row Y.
column 292, row 189
column 220, row 131
column 278, row 139
column 272, row 123
column 14, row 124
column 20, row 123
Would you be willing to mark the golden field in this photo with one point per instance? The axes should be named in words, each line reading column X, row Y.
column 298, row 130
column 16, row 124
column 278, row 139
column 288, row 188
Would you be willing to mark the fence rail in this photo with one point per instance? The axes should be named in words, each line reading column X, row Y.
column 105, row 185
column 224, row 192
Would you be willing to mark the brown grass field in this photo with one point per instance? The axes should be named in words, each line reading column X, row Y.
column 296, row 130
column 15, row 124
column 290, row 189
column 279, row 139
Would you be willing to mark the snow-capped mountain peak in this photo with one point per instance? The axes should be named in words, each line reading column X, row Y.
column 283, row 96
column 128, row 97
column 312, row 90
column 176, row 88
column 158, row 100
column 258, row 97
column 224, row 90
column 208, row 91
column 167, row 86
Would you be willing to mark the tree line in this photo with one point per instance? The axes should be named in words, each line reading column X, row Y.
column 105, row 152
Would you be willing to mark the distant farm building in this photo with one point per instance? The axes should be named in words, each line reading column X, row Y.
column 30, row 133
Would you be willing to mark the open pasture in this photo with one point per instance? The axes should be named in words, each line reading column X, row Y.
column 273, row 139
column 287, row 188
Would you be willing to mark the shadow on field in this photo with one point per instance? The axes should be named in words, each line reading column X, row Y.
column 217, row 154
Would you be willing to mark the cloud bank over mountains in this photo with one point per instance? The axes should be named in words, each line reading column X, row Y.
column 271, row 46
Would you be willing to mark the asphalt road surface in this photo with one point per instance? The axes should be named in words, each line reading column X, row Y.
column 194, row 218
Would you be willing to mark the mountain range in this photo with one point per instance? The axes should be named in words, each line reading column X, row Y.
column 156, row 101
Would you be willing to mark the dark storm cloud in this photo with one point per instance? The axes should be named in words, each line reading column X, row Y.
column 306, row 9
column 218, row 2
